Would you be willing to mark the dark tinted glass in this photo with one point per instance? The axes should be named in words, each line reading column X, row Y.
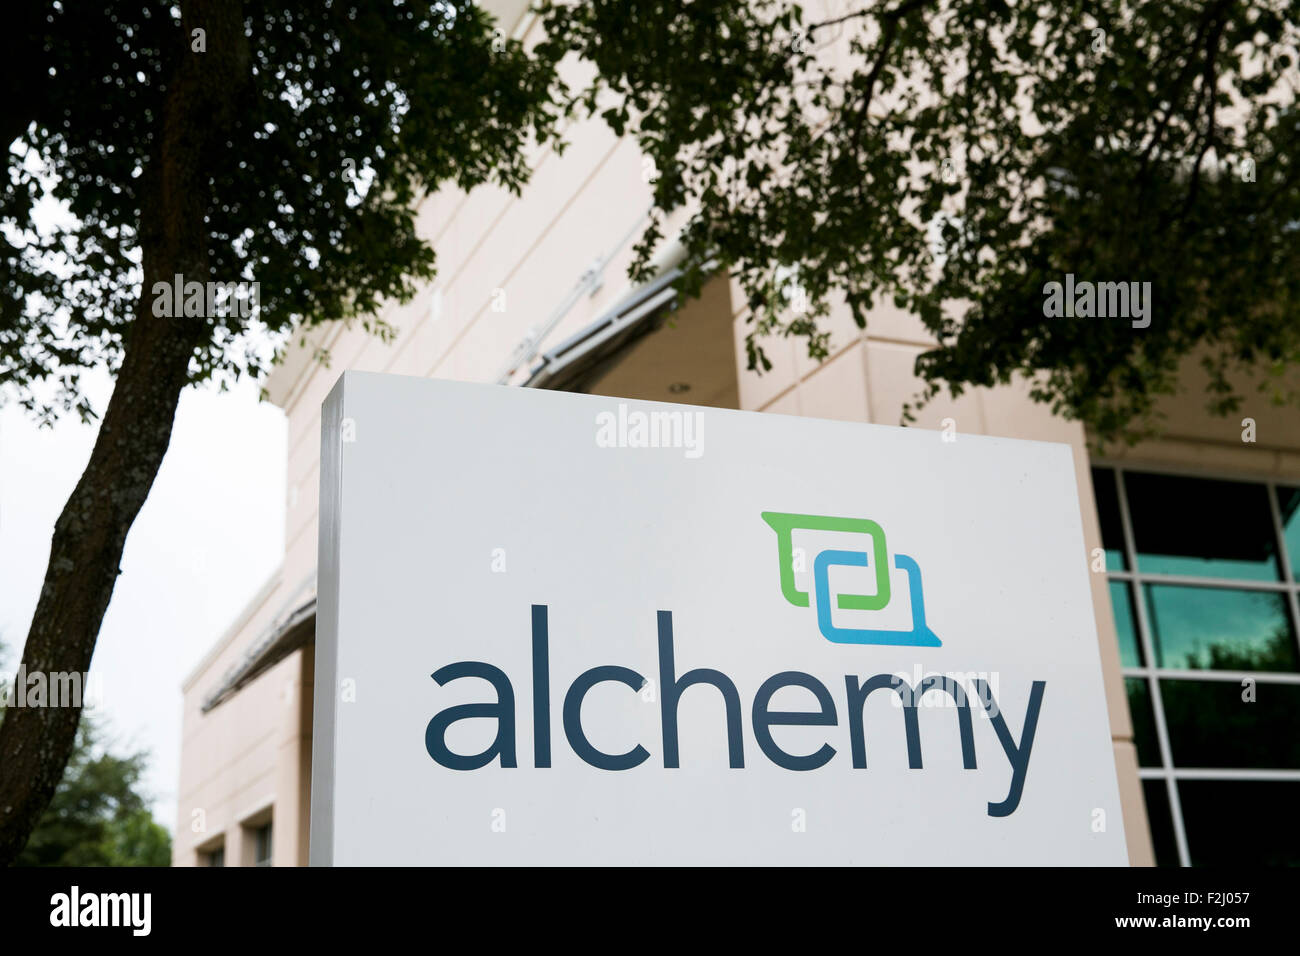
column 1202, row 527
column 1156, row 794
column 1241, row 822
column 1144, row 723
column 1288, row 501
column 1121, row 602
column 1223, row 724
column 1112, row 530
column 1220, row 628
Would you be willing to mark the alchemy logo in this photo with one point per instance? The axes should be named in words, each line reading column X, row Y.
column 672, row 684
column 877, row 557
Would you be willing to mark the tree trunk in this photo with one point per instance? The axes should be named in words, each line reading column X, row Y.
column 35, row 741
column 86, row 549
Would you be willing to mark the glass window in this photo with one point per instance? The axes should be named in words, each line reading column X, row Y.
column 262, row 845
column 1198, row 628
column 1231, row 545
column 1217, row 724
column 1121, row 603
column 1161, row 821
column 215, row 857
column 1201, row 527
column 1241, row 821
column 1288, row 503
column 1112, row 528
column 1144, row 722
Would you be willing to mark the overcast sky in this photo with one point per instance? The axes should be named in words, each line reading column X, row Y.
column 210, row 534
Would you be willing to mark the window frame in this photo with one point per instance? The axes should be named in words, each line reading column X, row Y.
column 1135, row 580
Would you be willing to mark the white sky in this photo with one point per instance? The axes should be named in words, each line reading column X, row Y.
column 209, row 535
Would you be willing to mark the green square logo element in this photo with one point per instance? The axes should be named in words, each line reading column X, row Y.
column 785, row 524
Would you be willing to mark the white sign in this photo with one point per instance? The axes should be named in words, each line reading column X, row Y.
column 560, row 628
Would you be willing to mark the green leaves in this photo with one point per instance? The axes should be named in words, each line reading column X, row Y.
column 950, row 156
column 413, row 94
column 98, row 816
column 954, row 156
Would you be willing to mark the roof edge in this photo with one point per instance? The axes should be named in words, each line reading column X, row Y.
column 228, row 636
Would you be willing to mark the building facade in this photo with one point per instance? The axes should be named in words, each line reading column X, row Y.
column 1194, row 539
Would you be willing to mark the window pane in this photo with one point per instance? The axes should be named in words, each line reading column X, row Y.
column 1288, row 500
column 1220, row 628
column 1211, row 725
column 1112, row 530
column 1241, row 822
column 1121, row 603
column 263, row 845
column 1144, row 722
column 1156, row 794
column 1196, row 526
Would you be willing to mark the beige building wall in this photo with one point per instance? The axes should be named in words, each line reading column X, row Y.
column 248, row 762
column 249, row 757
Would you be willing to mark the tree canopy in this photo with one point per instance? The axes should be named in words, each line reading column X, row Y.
column 333, row 118
column 952, row 157
column 961, row 154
